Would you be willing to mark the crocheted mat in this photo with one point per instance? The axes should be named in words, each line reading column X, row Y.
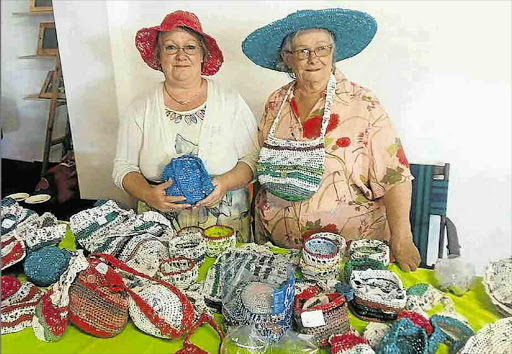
column 474, row 305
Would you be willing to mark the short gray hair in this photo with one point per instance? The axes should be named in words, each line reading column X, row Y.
column 287, row 46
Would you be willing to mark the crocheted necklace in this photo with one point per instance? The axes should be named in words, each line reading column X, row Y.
column 184, row 102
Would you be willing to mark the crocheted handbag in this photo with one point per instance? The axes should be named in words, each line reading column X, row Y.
column 404, row 337
column 156, row 307
column 219, row 238
column 144, row 254
column 378, row 295
column 321, row 315
column 189, row 178
column 189, row 347
column 44, row 266
column 290, row 169
column 98, row 300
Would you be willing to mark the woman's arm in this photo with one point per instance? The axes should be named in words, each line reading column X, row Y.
column 137, row 186
column 397, row 201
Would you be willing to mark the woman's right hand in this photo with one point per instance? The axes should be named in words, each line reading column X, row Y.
column 156, row 198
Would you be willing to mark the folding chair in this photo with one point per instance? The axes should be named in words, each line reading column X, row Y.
column 429, row 197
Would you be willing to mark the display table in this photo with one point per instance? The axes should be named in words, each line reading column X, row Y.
column 475, row 305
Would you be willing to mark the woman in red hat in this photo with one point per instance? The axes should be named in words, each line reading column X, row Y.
column 188, row 114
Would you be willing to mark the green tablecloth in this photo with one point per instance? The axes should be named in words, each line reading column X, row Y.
column 475, row 305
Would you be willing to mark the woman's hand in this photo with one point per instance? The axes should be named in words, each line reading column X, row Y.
column 216, row 196
column 156, row 198
column 406, row 253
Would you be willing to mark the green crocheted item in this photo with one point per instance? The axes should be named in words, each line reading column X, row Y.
column 362, row 264
column 418, row 289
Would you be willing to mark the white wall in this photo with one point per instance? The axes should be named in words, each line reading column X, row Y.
column 442, row 70
column 23, row 121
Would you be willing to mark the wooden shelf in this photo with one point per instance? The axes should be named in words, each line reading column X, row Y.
column 32, row 14
column 35, row 97
column 35, row 56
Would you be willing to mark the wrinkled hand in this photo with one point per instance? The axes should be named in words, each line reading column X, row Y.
column 406, row 253
column 157, row 199
column 216, row 196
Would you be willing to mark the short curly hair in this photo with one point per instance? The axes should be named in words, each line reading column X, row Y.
column 287, row 46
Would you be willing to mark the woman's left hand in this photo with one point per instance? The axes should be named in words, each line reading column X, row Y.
column 216, row 196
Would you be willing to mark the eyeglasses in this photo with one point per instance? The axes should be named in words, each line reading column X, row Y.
column 302, row 54
column 189, row 49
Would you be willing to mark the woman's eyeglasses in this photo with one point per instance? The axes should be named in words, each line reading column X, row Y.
column 302, row 54
column 172, row 49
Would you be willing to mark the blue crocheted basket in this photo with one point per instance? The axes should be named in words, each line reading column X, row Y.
column 189, row 178
column 450, row 331
column 44, row 266
column 404, row 337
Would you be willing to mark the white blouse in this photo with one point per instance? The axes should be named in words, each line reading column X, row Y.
column 146, row 140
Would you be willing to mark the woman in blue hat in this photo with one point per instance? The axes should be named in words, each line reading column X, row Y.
column 330, row 159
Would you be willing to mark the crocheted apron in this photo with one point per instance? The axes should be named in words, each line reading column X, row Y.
column 292, row 170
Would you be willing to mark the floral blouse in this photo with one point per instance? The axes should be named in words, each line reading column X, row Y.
column 364, row 159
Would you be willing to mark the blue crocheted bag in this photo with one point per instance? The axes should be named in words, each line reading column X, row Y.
column 44, row 266
column 404, row 337
column 189, row 178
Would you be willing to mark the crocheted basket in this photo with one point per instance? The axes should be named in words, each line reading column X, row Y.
column 320, row 252
column 18, row 309
column 333, row 311
column 378, row 295
column 9, row 286
column 318, row 274
column 350, row 343
column 188, row 231
column 337, row 239
column 96, row 306
column 44, row 266
column 373, row 249
column 362, row 264
column 450, row 331
column 189, row 178
column 493, row 338
column 179, row 271
column 189, row 244
column 144, row 254
column 404, row 337
column 219, row 238
column 13, row 250
column 498, row 285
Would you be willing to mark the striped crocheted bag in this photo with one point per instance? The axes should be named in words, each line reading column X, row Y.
column 290, row 169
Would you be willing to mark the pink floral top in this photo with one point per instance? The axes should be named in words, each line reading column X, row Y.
column 364, row 159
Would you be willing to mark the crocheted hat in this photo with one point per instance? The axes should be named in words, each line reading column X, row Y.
column 352, row 30
column 145, row 40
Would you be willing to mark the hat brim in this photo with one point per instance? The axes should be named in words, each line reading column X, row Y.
column 353, row 31
column 145, row 42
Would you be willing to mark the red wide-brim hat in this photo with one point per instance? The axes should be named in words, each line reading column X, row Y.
column 145, row 41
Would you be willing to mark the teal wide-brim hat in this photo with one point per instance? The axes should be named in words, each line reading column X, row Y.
column 353, row 31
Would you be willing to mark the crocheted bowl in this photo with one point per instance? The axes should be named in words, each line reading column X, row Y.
column 190, row 245
column 179, row 271
column 450, row 331
column 320, row 252
column 45, row 265
column 498, row 285
column 337, row 239
column 362, row 264
column 373, row 249
column 218, row 239
column 190, row 231
column 404, row 337
column 349, row 342
column 318, row 274
column 9, row 286
column 493, row 338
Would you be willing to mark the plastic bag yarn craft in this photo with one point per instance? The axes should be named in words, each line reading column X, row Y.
column 350, row 343
column 290, row 169
column 13, row 249
column 450, row 331
column 219, row 238
column 493, row 338
column 454, row 274
column 321, row 315
column 362, row 264
column 404, row 337
column 9, row 286
column 144, row 253
column 264, row 300
column 189, row 178
column 367, row 248
column 378, row 295
column 19, row 308
column 189, row 244
column 498, row 285
column 44, row 266
column 182, row 272
column 191, row 348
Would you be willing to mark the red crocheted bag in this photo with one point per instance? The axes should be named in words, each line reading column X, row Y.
column 189, row 347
